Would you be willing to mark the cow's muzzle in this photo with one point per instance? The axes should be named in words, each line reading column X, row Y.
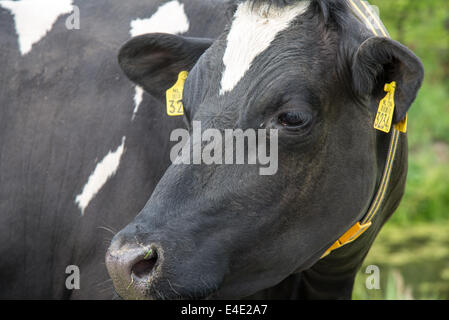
column 133, row 268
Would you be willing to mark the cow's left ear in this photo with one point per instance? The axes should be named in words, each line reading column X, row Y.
column 154, row 60
column 381, row 60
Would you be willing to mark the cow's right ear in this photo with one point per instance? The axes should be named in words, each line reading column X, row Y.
column 153, row 61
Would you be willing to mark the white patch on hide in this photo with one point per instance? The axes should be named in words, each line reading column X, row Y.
column 169, row 18
column 34, row 18
column 138, row 97
column 104, row 170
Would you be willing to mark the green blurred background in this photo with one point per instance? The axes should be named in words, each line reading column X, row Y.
column 412, row 250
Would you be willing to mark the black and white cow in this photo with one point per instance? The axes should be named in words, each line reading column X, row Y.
column 81, row 148
column 315, row 73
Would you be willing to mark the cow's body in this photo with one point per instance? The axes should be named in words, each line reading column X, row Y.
column 65, row 106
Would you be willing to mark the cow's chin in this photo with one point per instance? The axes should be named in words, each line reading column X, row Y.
column 142, row 292
column 163, row 289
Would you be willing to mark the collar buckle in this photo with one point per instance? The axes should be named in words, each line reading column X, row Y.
column 352, row 234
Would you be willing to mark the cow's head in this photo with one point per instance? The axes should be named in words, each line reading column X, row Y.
column 306, row 68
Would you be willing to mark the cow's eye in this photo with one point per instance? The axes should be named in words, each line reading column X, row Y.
column 293, row 119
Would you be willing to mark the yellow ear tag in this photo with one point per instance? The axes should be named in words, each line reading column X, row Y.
column 175, row 105
column 384, row 115
column 402, row 126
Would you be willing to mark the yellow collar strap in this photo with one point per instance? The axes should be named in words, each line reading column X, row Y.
column 367, row 15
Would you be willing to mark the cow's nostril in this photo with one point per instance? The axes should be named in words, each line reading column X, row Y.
column 144, row 267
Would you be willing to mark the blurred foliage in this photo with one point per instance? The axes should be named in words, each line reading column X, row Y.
column 423, row 26
column 412, row 250
column 413, row 263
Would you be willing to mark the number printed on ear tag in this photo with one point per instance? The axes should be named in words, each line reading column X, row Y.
column 175, row 105
column 384, row 115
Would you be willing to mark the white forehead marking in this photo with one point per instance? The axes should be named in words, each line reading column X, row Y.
column 34, row 18
column 252, row 31
column 104, row 170
column 169, row 18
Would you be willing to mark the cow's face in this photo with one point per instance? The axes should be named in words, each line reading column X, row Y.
column 227, row 230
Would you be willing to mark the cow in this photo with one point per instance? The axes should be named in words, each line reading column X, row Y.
column 316, row 74
column 81, row 147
